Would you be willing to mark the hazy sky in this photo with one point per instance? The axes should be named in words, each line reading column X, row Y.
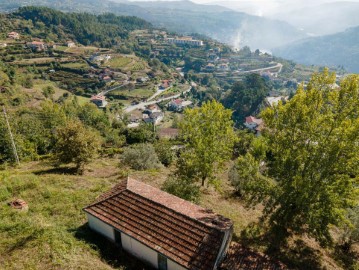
column 264, row 7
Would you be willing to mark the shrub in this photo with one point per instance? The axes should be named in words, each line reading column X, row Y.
column 141, row 157
column 182, row 187
column 164, row 152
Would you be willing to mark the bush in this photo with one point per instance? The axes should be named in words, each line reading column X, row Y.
column 141, row 157
column 164, row 152
column 182, row 187
column 76, row 143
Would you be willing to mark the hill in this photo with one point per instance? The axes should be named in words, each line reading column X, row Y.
column 323, row 19
column 185, row 17
column 341, row 49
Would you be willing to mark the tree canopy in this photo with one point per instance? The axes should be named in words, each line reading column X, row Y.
column 76, row 143
column 209, row 137
column 245, row 96
column 312, row 158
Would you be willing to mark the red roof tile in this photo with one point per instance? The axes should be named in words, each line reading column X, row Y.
column 252, row 119
column 184, row 232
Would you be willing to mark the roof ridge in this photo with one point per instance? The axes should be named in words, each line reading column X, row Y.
column 111, row 196
column 176, row 211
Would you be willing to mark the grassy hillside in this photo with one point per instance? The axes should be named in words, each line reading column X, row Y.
column 340, row 49
column 53, row 233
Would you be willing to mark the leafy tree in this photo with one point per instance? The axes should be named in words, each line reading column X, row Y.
column 312, row 157
column 164, row 152
column 182, row 187
column 141, row 156
column 48, row 91
column 28, row 83
column 245, row 96
column 76, row 143
column 209, row 138
column 350, row 234
column 144, row 133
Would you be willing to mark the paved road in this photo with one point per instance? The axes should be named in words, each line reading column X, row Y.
column 104, row 92
column 144, row 104
column 278, row 65
column 158, row 92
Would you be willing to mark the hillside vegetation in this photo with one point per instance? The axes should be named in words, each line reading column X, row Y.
column 186, row 17
column 332, row 50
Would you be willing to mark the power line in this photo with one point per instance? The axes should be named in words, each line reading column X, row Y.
column 11, row 137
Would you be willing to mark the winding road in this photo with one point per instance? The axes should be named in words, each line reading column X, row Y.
column 146, row 103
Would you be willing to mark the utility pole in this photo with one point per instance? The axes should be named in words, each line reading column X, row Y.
column 11, row 137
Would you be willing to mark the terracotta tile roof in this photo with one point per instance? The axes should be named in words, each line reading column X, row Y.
column 252, row 119
column 241, row 258
column 97, row 97
column 182, row 231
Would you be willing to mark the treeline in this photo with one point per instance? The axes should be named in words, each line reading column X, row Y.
column 103, row 30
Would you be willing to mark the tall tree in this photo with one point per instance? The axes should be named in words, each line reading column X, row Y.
column 245, row 96
column 209, row 137
column 76, row 144
column 313, row 157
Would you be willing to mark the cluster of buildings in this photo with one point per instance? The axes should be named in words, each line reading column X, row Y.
column 38, row 45
column 215, row 62
column 151, row 114
column 185, row 41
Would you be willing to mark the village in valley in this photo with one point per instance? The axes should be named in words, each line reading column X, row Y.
column 113, row 136
column 149, row 94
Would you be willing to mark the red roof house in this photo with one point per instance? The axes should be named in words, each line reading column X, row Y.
column 161, row 229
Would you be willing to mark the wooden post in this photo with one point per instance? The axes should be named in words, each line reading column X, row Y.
column 11, row 137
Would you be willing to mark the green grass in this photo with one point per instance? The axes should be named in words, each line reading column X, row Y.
column 119, row 62
column 61, row 48
column 136, row 93
column 76, row 65
column 53, row 233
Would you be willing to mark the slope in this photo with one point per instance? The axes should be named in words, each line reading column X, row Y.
column 331, row 50
column 235, row 28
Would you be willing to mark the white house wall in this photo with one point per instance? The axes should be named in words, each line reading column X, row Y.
column 171, row 265
column 130, row 245
column 101, row 227
column 139, row 250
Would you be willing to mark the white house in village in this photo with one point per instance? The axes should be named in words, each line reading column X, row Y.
column 252, row 122
column 166, row 232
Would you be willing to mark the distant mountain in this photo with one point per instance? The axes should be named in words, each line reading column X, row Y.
column 322, row 19
column 331, row 50
column 234, row 28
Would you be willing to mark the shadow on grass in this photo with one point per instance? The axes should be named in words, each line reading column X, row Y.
column 109, row 251
column 297, row 255
column 346, row 257
column 57, row 170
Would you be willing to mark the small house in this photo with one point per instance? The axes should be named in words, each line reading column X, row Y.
column 254, row 124
column 162, row 230
column 99, row 101
column 154, row 118
column 165, row 84
column 13, row 35
column 36, row 45
column 70, row 44
column 273, row 101
column 153, row 108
